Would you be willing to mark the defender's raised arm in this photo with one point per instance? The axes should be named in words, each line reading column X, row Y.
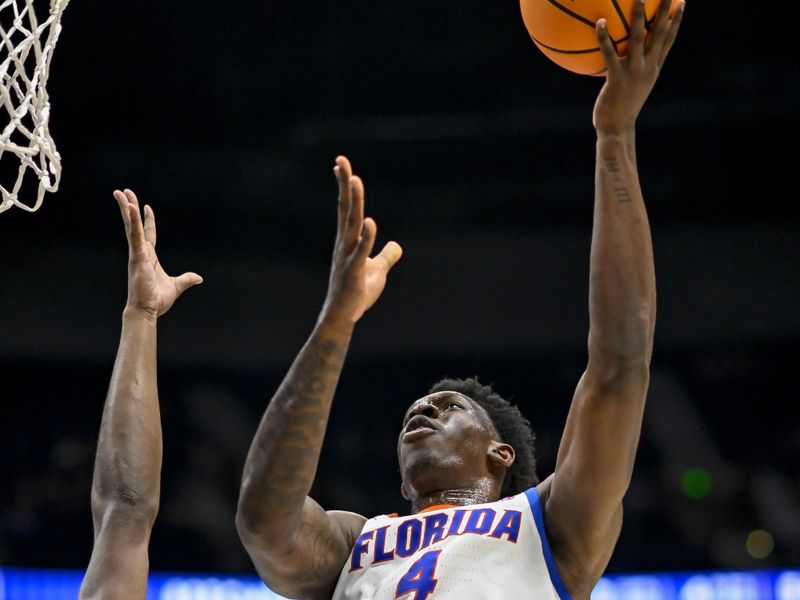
column 597, row 451
column 125, row 489
column 297, row 547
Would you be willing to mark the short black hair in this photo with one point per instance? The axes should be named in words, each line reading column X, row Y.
column 512, row 426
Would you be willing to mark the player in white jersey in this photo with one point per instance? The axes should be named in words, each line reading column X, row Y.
column 462, row 448
column 493, row 550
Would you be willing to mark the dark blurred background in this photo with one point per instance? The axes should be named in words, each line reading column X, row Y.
column 478, row 155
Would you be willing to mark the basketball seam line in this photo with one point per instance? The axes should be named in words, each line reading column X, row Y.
column 574, row 15
column 582, row 51
column 621, row 15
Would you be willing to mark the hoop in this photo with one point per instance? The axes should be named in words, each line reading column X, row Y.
column 24, row 71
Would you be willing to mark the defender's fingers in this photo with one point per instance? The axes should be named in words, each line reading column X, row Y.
column 367, row 240
column 607, row 47
column 131, row 197
column 343, row 172
column 672, row 32
column 149, row 225
column 136, row 228
column 355, row 216
column 185, row 281
column 122, row 202
column 655, row 40
column 388, row 257
column 636, row 43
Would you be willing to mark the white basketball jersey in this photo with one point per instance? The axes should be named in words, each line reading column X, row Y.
column 494, row 551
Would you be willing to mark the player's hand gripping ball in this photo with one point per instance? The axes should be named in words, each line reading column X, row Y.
column 564, row 30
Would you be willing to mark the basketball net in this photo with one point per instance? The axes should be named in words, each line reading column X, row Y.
column 27, row 47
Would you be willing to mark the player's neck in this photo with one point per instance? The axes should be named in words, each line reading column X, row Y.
column 455, row 497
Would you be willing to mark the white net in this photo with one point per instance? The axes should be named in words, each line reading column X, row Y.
column 28, row 41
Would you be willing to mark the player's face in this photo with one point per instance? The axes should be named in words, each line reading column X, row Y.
column 443, row 441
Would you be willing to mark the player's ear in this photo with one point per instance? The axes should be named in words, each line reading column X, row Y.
column 501, row 455
column 403, row 491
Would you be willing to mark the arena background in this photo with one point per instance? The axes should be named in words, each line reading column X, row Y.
column 477, row 154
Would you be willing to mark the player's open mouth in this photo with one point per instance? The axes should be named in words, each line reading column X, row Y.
column 419, row 426
column 417, row 433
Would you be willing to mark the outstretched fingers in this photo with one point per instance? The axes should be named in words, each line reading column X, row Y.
column 658, row 33
column 343, row 172
column 149, row 225
column 367, row 240
column 185, row 281
column 607, row 47
column 355, row 215
column 672, row 31
column 129, row 207
column 132, row 199
column 122, row 202
column 388, row 257
column 636, row 43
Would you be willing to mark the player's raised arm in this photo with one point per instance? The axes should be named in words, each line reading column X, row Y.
column 598, row 447
column 125, row 489
column 297, row 547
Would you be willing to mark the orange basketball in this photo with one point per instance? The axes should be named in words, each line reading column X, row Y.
column 564, row 30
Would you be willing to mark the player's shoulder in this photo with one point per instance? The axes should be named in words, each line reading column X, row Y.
column 538, row 494
column 350, row 523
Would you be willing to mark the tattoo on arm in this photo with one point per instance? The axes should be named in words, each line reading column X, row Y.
column 280, row 520
column 620, row 190
column 324, row 551
column 285, row 452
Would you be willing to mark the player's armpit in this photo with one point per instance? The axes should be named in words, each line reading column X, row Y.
column 308, row 565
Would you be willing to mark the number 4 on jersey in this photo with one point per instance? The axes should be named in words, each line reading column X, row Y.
column 419, row 579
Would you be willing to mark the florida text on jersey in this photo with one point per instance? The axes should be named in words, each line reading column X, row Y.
column 497, row 550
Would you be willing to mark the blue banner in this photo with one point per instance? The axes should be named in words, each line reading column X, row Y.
column 36, row 584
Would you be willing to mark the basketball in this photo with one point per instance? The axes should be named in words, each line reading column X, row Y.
column 564, row 30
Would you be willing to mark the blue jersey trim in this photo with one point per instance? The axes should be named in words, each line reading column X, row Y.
column 538, row 516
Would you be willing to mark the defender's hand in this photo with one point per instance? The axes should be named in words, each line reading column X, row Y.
column 630, row 78
column 150, row 289
column 356, row 280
